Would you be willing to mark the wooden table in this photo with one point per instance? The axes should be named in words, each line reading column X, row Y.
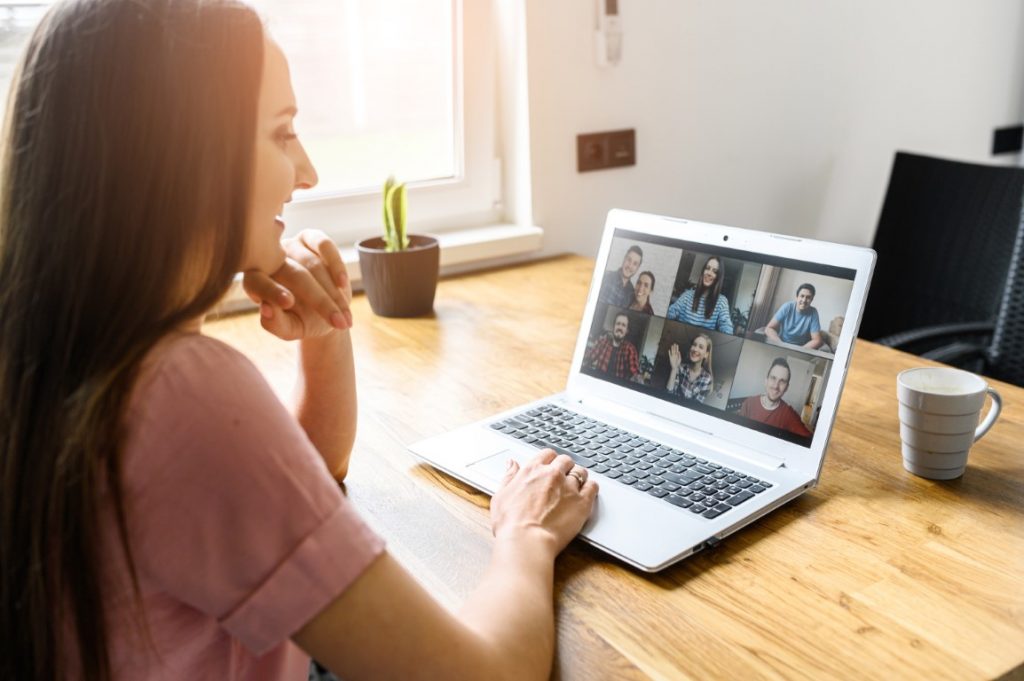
column 874, row 574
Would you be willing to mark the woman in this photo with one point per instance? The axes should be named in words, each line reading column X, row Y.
column 693, row 380
column 705, row 306
column 163, row 515
column 642, row 293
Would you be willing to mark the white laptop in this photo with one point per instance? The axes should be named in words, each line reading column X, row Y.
column 702, row 392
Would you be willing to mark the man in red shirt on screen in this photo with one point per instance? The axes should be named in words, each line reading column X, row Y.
column 769, row 407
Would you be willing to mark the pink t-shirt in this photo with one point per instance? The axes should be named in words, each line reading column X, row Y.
column 238, row 532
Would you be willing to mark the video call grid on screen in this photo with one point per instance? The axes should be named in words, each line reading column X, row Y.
column 758, row 349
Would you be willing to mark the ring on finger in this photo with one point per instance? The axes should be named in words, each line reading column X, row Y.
column 580, row 477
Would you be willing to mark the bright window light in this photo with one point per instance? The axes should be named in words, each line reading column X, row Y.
column 376, row 88
column 376, row 84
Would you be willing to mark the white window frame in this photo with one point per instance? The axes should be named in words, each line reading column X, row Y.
column 470, row 199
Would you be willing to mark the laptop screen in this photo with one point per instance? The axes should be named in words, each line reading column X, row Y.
column 743, row 337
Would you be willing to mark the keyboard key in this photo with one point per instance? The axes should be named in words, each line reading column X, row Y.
column 643, row 486
column 681, row 502
column 630, row 480
column 657, row 492
column 737, row 499
column 698, row 508
column 613, row 474
column 600, row 468
column 756, row 489
column 743, row 484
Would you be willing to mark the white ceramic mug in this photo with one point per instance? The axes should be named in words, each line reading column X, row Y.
column 939, row 410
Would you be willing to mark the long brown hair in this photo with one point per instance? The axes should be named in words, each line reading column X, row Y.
column 710, row 293
column 126, row 178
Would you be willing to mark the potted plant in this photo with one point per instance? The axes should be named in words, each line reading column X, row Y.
column 399, row 270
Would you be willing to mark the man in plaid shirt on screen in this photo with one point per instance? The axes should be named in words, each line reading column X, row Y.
column 612, row 354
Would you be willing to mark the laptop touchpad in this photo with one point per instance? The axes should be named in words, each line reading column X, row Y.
column 492, row 467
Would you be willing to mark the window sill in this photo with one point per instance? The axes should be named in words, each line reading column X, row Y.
column 461, row 251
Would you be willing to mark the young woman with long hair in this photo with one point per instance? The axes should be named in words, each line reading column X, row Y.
column 693, row 379
column 704, row 305
column 162, row 515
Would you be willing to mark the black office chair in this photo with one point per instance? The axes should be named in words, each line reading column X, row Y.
column 997, row 349
column 944, row 243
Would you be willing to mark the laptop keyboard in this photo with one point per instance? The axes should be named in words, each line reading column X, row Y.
column 700, row 486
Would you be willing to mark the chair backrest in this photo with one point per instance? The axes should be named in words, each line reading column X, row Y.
column 1005, row 359
column 944, row 241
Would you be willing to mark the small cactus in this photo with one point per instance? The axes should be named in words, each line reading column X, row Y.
column 395, row 236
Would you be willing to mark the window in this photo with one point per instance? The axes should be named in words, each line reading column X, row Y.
column 17, row 21
column 375, row 82
column 402, row 88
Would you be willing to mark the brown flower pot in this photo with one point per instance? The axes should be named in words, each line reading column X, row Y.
column 401, row 283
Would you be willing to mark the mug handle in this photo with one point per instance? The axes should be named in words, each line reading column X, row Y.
column 990, row 417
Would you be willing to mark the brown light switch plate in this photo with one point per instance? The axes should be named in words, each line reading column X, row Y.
column 600, row 150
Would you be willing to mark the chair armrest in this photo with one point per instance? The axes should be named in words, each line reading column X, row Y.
column 936, row 332
column 957, row 353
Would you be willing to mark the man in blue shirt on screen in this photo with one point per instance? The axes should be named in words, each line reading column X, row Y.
column 797, row 322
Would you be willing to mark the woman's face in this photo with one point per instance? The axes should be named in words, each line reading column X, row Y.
column 710, row 272
column 698, row 349
column 281, row 164
column 643, row 288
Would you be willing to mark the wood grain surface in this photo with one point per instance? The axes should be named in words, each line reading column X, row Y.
column 874, row 574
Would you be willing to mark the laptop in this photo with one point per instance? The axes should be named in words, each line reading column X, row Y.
column 703, row 388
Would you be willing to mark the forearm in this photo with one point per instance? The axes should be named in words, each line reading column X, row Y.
column 325, row 398
column 673, row 378
column 772, row 333
column 512, row 609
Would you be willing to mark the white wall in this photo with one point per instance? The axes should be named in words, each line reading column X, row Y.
column 782, row 115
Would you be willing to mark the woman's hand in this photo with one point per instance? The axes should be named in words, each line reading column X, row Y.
column 550, row 496
column 309, row 295
column 675, row 358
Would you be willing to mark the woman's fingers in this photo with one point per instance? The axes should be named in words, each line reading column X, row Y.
column 261, row 288
column 546, row 456
column 320, row 257
column 307, row 287
column 564, row 463
column 283, row 323
column 510, row 472
column 321, row 244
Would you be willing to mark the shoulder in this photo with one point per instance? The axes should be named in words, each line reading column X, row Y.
column 190, row 361
column 199, row 399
